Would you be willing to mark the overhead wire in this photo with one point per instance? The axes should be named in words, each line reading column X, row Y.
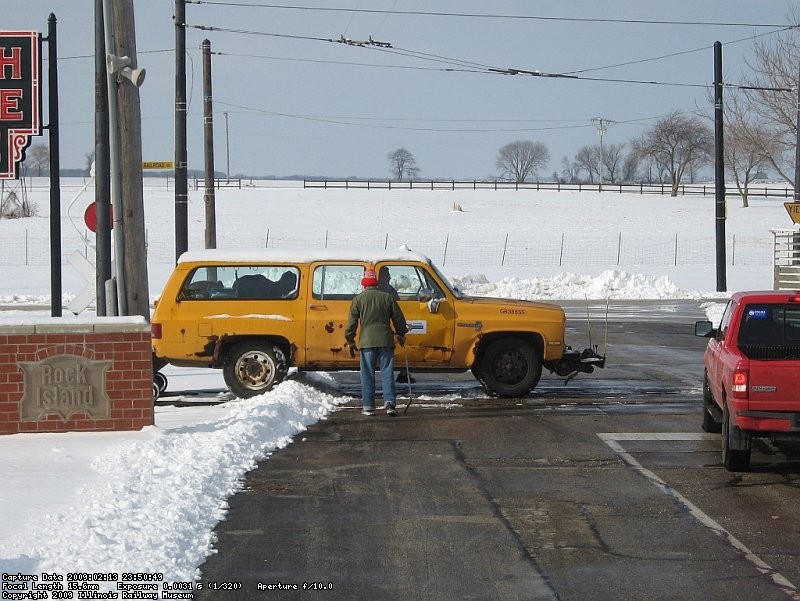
column 354, row 121
column 461, row 65
column 473, row 66
column 679, row 53
column 368, row 122
column 485, row 15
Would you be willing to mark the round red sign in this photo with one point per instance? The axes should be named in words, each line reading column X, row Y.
column 90, row 217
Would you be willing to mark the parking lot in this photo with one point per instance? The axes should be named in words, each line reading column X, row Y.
column 602, row 489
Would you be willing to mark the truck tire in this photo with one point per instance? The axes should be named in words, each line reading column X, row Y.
column 161, row 381
column 735, row 445
column 509, row 368
column 252, row 368
column 709, row 423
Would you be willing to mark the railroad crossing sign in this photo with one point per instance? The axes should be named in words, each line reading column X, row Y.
column 793, row 208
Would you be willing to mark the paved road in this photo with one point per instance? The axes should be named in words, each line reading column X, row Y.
column 603, row 489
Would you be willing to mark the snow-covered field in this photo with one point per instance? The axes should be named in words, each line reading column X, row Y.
column 148, row 501
column 535, row 244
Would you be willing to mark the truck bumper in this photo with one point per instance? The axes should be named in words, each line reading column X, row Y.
column 769, row 421
column 574, row 362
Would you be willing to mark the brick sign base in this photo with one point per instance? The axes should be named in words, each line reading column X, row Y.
column 61, row 375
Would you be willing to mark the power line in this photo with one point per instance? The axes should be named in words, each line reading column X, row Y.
column 679, row 53
column 485, row 15
column 368, row 122
column 462, row 65
column 346, row 63
column 355, row 121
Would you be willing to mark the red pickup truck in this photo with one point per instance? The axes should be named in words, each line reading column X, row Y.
column 751, row 386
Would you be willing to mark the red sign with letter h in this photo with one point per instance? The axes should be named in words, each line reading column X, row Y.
column 20, row 97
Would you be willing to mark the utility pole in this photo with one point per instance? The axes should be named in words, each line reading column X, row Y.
column 120, row 296
column 719, row 170
column 181, row 160
column 602, row 127
column 208, row 143
column 128, row 80
column 102, row 175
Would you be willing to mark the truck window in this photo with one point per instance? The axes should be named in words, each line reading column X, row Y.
column 336, row 282
column 725, row 321
column 407, row 281
column 250, row 282
column 770, row 332
column 761, row 325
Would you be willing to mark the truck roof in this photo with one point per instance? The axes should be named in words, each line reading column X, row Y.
column 767, row 296
column 265, row 255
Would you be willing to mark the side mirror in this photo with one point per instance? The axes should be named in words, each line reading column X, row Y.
column 704, row 329
column 433, row 305
column 424, row 294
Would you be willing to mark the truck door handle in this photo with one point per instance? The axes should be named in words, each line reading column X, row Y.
column 317, row 306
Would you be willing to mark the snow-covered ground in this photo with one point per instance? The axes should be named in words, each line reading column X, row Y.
column 148, row 501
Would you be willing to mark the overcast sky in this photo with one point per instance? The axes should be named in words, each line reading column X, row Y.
column 298, row 104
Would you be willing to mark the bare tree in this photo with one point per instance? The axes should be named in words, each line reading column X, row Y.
column 402, row 163
column 38, row 157
column 89, row 157
column 630, row 167
column 518, row 160
column 612, row 160
column 772, row 99
column 747, row 145
column 677, row 143
column 588, row 159
column 569, row 170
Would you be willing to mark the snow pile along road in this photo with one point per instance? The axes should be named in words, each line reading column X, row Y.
column 145, row 511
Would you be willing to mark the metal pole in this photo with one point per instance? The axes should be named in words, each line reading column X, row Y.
column 102, row 177
column 116, row 173
column 55, row 181
column 208, row 144
column 181, row 160
column 797, row 149
column 227, row 152
column 719, row 170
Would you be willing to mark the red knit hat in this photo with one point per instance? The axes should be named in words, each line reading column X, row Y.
column 369, row 279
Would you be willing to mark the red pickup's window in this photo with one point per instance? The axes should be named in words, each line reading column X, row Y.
column 770, row 332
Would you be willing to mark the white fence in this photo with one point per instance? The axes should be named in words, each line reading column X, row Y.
column 28, row 248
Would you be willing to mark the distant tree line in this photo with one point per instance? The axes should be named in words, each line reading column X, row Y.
column 760, row 132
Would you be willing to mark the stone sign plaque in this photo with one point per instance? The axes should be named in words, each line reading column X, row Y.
column 64, row 385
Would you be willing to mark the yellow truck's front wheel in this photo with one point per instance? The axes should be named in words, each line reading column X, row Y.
column 252, row 368
column 509, row 367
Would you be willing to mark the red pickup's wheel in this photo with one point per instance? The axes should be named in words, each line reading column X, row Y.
column 735, row 445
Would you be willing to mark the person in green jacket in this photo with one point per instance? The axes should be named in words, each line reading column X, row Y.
column 377, row 312
column 384, row 283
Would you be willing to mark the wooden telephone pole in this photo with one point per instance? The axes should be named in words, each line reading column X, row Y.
column 136, row 290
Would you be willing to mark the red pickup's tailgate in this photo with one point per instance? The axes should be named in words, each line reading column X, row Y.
column 774, row 385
